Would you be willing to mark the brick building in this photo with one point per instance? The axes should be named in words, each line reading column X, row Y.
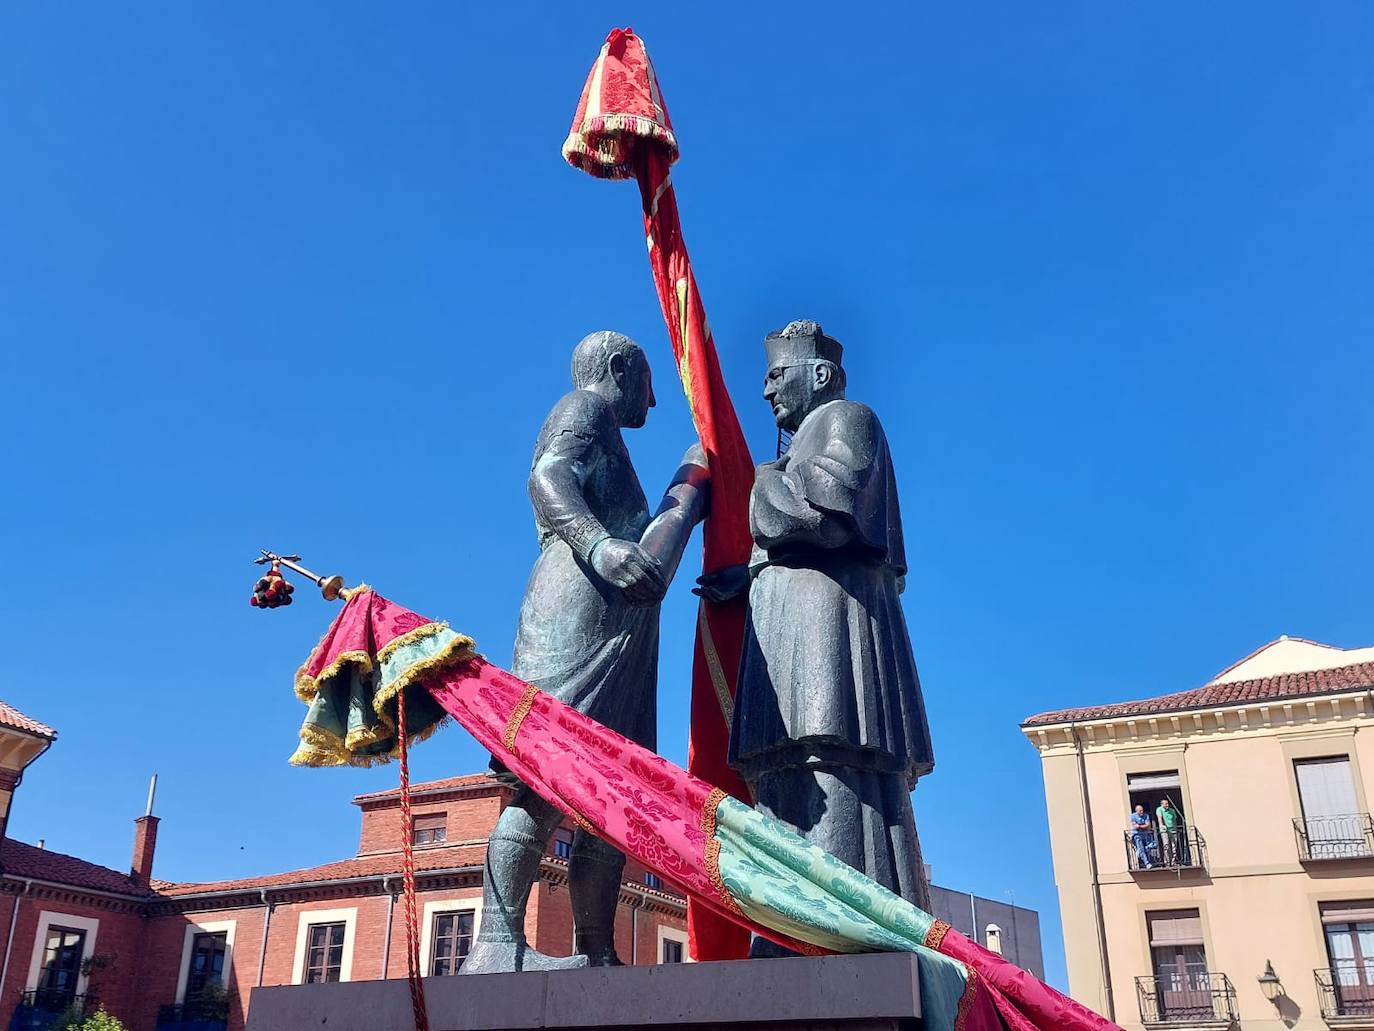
column 147, row 950
column 163, row 956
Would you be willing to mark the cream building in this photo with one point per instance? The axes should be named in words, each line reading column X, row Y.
column 1256, row 909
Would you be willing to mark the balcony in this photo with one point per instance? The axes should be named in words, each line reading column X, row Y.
column 209, row 1012
column 1335, row 837
column 1347, row 998
column 40, row 1009
column 1184, row 849
column 1200, row 999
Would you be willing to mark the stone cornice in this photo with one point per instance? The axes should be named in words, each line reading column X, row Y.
column 1250, row 717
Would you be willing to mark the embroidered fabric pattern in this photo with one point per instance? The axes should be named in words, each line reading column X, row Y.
column 936, row 935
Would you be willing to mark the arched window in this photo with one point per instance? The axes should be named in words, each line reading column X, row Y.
column 993, row 938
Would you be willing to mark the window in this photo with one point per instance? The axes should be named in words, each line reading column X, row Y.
column 653, row 881
column 61, row 967
column 1349, row 929
column 324, row 954
column 1182, row 985
column 452, row 942
column 672, row 951
column 1332, row 824
column 562, row 843
column 430, row 829
column 207, row 962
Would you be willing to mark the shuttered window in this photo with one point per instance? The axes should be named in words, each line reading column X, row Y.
column 1326, row 788
column 1175, row 927
column 1357, row 911
column 430, row 828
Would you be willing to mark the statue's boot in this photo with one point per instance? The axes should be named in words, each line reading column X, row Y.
column 594, row 874
column 511, row 866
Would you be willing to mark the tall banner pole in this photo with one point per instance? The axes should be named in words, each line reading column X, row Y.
column 622, row 131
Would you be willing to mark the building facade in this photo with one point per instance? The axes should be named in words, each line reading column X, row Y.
column 163, row 956
column 1003, row 927
column 1247, row 898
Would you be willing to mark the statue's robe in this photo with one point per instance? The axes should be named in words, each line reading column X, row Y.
column 579, row 639
column 829, row 726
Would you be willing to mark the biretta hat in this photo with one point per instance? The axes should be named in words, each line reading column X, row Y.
column 802, row 340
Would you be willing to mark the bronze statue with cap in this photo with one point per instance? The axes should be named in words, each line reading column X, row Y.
column 829, row 726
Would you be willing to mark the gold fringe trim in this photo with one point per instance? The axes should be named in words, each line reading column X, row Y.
column 347, row 593
column 364, row 736
column 936, row 935
column 318, row 747
column 409, row 637
column 708, row 812
column 459, row 650
column 713, row 871
column 966, row 1001
column 307, row 687
column 522, row 709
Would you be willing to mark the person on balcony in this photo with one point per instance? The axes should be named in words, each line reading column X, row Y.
column 1142, row 838
column 1170, row 823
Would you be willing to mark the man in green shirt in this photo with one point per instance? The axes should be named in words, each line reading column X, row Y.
column 1170, row 823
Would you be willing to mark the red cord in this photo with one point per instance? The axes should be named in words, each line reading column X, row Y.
column 417, row 988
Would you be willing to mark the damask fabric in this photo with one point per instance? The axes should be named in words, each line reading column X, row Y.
column 622, row 130
column 351, row 720
column 730, row 859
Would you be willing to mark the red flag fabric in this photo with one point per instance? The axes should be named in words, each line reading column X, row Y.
column 622, row 130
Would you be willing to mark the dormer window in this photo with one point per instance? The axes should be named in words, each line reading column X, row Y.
column 430, row 828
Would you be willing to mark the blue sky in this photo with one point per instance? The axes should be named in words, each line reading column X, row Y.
column 307, row 277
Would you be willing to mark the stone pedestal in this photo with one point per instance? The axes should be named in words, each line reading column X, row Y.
column 878, row 992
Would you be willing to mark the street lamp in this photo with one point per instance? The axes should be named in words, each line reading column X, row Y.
column 1270, row 983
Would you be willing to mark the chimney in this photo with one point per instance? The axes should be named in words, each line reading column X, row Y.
column 145, row 842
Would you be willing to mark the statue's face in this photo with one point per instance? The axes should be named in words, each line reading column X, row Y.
column 636, row 385
column 791, row 391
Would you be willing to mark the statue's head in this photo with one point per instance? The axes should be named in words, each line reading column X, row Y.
column 804, row 372
column 612, row 365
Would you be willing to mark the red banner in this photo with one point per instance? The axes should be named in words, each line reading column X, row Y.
column 622, row 130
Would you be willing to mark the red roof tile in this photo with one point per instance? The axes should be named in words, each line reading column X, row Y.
column 429, row 787
column 1357, row 677
column 21, row 860
column 444, row 858
column 12, row 717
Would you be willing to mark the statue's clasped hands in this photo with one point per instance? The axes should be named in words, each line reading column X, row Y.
column 628, row 566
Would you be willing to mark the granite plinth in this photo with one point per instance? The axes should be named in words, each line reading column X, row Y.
column 878, row 992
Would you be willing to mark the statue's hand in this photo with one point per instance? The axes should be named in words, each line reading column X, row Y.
column 723, row 584
column 629, row 567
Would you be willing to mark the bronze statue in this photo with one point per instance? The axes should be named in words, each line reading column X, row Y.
column 588, row 633
column 829, row 726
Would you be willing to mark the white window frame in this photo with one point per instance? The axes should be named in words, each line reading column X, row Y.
column 209, row 927
column 310, row 917
column 47, row 919
column 672, row 934
column 432, row 909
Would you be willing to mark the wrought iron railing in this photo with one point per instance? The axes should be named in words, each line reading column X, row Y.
column 1344, row 993
column 1180, row 849
column 200, row 1014
column 39, row 1007
column 1197, row 997
column 1335, row 837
